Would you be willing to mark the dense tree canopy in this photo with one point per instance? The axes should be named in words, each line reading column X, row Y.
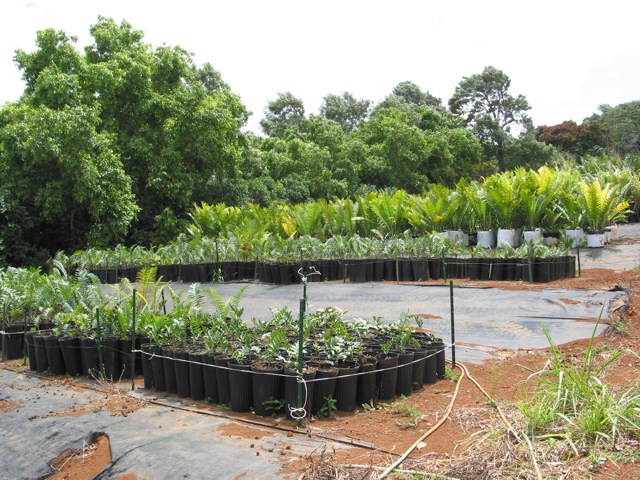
column 623, row 123
column 116, row 143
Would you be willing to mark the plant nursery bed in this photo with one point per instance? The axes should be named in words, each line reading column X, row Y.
column 472, row 442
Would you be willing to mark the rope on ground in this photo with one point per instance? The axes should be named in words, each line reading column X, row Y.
column 433, row 429
column 506, row 422
column 510, row 428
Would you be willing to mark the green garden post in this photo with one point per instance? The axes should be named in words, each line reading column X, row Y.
column 453, row 327
column 133, row 340
column 300, row 340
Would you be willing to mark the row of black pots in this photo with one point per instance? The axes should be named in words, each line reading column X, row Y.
column 538, row 270
column 268, row 387
column 76, row 356
column 361, row 270
column 13, row 346
column 186, row 273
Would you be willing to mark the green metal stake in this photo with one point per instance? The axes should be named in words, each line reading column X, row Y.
column 133, row 340
column 300, row 340
column 303, row 307
column 453, row 327
column 99, row 340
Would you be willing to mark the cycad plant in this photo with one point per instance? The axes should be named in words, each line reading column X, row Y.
column 502, row 193
column 600, row 206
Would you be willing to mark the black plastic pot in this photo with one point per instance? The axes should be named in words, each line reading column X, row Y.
column 13, row 342
column 542, row 270
column 240, row 391
column 418, row 369
column 111, row 358
column 157, row 367
column 90, row 359
column 291, row 392
column 147, row 368
column 485, row 265
column 54, row 355
column 181, row 366
column 31, row 351
column 347, row 388
column 266, row 388
column 498, row 267
column 357, row 270
column 325, row 388
column 210, row 378
column 435, row 268
column 125, row 348
column 420, row 268
column 287, row 274
column 430, row 366
column 71, row 354
column 367, row 392
column 405, row 374
column 405, row 269
column 196, row 376
column 41, row 353
column 440, row 359
column 378, row 270
column 387, row 378
column 222, row 377
column 390, row 273
column 170, row 383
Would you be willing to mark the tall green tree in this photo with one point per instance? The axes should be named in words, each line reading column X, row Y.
column 345, row 109
column 65, row 175
column 623, row 122
column 494, row 115
column 280, row 114
column 413, row 95
column 137, row 123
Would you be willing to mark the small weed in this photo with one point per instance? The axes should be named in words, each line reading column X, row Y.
column 273, row 406
column 406, row 410
column 619, row 326
column 217, row 276
column 369, row 408
column 329, row 407
column 452, row 375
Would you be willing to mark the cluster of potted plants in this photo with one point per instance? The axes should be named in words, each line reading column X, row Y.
column 256, row 368
column 269, row 244
column 218, row 356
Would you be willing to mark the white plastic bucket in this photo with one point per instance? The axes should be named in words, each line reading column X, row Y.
column 486, row 239
column 507, row 237
column 535, row 235
column 595, row 240
column 576, row 236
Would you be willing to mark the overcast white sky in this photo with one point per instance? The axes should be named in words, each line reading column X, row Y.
column 567, row 57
